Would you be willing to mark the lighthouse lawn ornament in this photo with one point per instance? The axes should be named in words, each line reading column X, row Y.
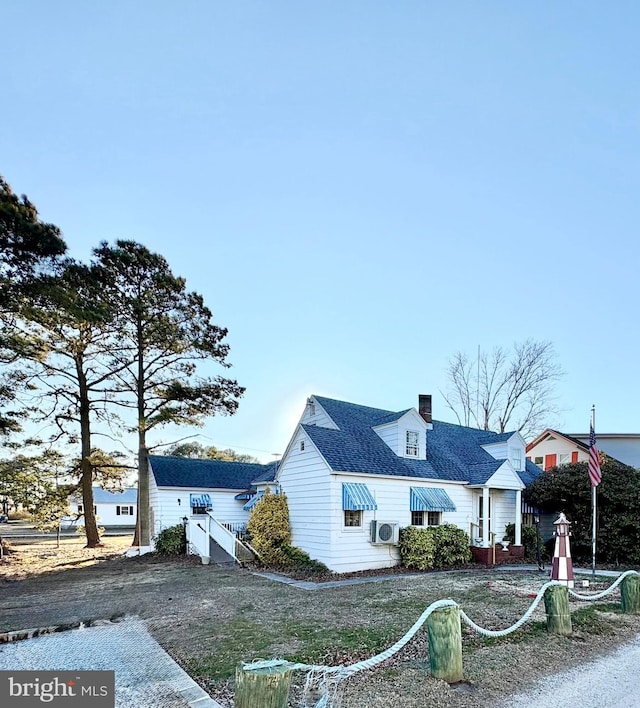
column 562, row 568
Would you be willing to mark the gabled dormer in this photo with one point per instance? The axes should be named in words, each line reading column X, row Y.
column 508, row 446
column 405, row 433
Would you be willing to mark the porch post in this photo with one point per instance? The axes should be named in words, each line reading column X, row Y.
column 485, row 520
column 518, row 518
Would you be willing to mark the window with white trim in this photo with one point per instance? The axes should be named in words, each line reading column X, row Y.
column 539, row 461
column 124, row 510
column 564, row 458
column 412, row 447
column 352, row 518
column 426, row 518
column 516, row 459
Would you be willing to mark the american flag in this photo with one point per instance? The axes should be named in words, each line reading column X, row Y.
column 594, row 460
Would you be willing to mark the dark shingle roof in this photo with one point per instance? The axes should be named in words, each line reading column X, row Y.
column 454, row 452
column 206, row 474
column 531, row 472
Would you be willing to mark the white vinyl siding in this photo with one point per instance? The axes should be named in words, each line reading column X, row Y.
column 351, row 549
column 304, row 477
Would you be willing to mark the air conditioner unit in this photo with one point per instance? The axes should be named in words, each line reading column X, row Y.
column 385, row 532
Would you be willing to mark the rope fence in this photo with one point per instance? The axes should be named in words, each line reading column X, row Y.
column 326, row 679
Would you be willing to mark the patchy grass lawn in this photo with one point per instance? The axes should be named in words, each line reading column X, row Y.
column 210, row 619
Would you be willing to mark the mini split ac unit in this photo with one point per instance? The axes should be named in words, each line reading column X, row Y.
column 385, row 532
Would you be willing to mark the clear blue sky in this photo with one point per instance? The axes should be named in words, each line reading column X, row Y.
column 358, row 189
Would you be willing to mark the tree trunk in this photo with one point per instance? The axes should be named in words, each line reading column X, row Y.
column 143, row 531
column 556, row 604
column 630, row 591
column 86, row 480
column 263, row 688
column 445, row 644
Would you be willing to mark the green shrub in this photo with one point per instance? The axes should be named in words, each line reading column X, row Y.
column 452, row 546
column 434, row 547
column 270, row 534
column 171, row 541
column 528, row 538
column 417, row 548
column 269, row 528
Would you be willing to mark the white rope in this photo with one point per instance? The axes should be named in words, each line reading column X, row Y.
column 604, row 593
column 518, row 624
column 327, row 678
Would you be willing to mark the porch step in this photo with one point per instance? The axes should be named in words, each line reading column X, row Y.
column 218, row 556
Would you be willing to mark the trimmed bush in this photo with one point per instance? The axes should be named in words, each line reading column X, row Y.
column 434, row 547
column 171, row 541
column 270, row 534
column 269, row 528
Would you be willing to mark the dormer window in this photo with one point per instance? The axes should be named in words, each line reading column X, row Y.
column 412, row 447
column 516, row 459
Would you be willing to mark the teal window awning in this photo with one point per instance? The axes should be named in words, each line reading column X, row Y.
column 357, row 497
column 200, row 500
column 253, row 501
column 430, row 499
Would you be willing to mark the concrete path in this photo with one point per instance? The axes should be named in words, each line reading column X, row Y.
column 608, row 682
column 146, row 676
column 312, row 585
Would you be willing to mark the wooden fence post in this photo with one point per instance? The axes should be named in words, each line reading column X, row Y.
column 445, row 644
column 556, row 604
column 630, row 592
column 262, row 688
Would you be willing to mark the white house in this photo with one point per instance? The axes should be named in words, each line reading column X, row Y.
column 552, row 448
column 354, row 476
column 111, row 508
column 183, row 488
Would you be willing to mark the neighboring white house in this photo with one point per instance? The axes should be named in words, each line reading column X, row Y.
column 552, row 448
column 624, row 447
column 111, row 508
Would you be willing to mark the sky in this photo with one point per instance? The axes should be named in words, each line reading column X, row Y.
column 358, row 189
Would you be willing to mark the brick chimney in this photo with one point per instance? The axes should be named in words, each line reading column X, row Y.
column 424, row 407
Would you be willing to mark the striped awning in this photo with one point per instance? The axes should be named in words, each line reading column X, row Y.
column 253, row 501
column 244, row 496
column 200, row 500
column 357, row 497
column 430, row 499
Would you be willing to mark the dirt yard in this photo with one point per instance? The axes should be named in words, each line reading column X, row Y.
column 209, row 619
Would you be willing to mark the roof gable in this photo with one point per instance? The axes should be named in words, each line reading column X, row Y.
column 550, row 432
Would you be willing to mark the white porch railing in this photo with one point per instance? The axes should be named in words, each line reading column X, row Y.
column 201, row 528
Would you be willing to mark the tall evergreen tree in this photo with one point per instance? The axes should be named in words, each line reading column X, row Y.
column 166, row 336
column 72, row 331
column 28, row 247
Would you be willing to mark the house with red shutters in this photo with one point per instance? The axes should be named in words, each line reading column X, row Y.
column 552, row 448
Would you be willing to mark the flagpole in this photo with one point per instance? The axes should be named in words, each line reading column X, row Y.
column 593, row 508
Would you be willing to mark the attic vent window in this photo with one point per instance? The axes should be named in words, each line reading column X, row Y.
column 301, row 445
column 412, row 448
column 312, row 408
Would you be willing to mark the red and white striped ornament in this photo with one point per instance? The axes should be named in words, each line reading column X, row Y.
column 562, row 567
